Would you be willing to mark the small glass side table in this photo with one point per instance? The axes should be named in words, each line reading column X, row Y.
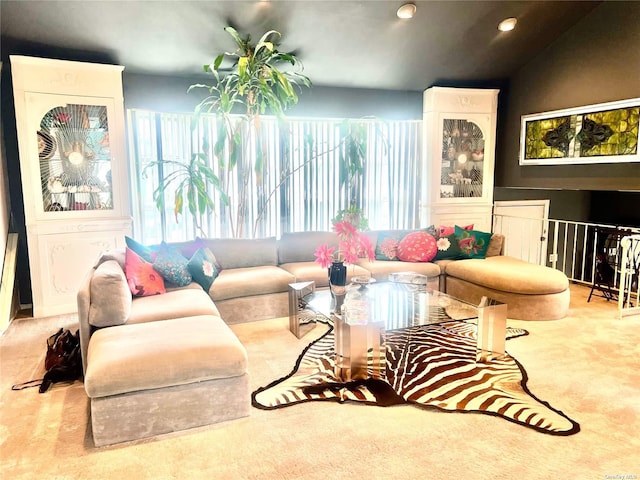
column 301, row 319
column 360, row 353
column 492, row 330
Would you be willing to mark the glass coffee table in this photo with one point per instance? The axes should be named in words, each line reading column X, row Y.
column 359, row 346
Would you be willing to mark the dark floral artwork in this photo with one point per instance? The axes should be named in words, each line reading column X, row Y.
column 609, row 135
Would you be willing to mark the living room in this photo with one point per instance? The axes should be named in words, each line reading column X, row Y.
column 578, row 68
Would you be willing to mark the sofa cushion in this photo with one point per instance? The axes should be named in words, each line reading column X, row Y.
column 509, row 274
column 142, row 278
column 117, row 254
column 300, row 246
column 131, row 358
column 380, row 270
column 495, row 245
column 188, row 249
column 244, row 282
column 173, row 267
column 243, row 252
column 182, row 302
column 311, row 271
column 417, row 247
column 110, row 296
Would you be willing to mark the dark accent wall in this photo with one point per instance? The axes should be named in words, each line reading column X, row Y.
column 169, row 94
column 571, row 205
column 608, row 207
column 596, row 61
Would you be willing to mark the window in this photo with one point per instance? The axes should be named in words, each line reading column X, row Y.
column 279, row 201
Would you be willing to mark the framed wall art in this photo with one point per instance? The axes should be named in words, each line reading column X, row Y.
column 602, row 133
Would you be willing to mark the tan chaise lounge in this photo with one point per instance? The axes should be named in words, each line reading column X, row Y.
column 531, row 292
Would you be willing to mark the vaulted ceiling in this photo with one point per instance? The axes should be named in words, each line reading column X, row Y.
column 341, row 43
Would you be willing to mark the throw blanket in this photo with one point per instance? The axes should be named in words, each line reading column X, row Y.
column 432, row 366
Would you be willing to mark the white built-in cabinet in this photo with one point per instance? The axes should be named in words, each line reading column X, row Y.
column 71, row 142
column 459, row 154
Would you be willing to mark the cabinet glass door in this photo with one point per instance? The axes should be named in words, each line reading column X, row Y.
column 75, row 158
column 462, row 160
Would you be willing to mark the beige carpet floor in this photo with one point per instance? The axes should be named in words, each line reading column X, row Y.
column 586, row 365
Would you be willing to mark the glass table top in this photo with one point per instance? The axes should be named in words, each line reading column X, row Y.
column 399, row 305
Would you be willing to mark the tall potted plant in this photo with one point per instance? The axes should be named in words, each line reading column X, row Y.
column 257, row 83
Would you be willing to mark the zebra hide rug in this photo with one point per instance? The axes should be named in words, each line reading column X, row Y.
column 433, row 366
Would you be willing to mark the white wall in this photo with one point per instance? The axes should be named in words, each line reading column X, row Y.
column 4, row 212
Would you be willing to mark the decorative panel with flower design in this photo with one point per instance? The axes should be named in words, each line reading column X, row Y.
column 604, row 133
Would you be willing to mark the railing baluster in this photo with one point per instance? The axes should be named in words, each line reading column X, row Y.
column 569, row 237
column 556, row 227
column 584, row 253
column 630, row 267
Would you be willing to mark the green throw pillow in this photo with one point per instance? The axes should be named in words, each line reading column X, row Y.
column 202, row 267
column 472, row 243
column 173, row 267
column 447, row 248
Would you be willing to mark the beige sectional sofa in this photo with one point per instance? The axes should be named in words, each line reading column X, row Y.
column 168, row 362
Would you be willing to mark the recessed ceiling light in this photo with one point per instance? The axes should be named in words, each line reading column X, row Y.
column 507, row 24
column 406, row 11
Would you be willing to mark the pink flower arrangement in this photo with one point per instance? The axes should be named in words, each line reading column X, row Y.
column 352, row 245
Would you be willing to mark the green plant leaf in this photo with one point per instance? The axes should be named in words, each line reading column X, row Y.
column 266, row 35
column 218, row 61
column 287, row 57
column 243, row 62
column 255, row 82
column 232, row 31
column 178, row 203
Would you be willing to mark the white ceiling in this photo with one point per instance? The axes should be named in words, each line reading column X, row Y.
column 341, row 43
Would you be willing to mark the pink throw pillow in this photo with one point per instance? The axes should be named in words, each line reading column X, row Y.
column 417, row 247
column 142, row 278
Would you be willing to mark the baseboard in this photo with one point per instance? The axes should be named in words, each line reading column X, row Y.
column 7, row 287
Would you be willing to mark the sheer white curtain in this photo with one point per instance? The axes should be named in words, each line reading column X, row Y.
column 388, row 190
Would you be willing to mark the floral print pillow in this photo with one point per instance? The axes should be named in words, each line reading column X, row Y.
column 172, row 266
column 202, row 267
column 387, row 245
column 447, row 248
column 142, row 278
column 472, row 243
column 417, row 247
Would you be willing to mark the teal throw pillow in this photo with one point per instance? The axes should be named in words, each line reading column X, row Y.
column 147, row 253
column 202, row 267
column 387, row 244
column 173, row 267
column 472, row 243
column 447, row 248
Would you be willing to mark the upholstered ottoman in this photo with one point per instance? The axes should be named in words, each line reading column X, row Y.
column 159, row 377
column 531, row 292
